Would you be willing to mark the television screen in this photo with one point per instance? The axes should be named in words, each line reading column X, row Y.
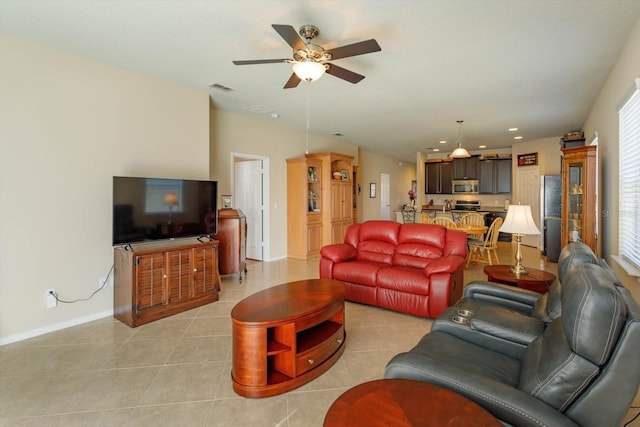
column 146, row 209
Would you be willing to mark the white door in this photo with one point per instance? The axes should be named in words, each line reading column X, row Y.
column 528, row 185
column 248, row 190
column 385, row 203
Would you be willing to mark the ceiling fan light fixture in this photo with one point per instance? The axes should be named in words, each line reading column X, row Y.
column 308, row 70
column 460, row 152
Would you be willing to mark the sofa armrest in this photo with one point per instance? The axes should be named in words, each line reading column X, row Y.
column 509, row 296
column 446, row 264
column 339, row 252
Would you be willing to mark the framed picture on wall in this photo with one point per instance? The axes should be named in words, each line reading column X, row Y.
column 372, row 190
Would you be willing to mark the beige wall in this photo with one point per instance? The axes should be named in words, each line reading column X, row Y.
column 603, row 119
column 401, row 174
column 234, row 133
column 67, row 125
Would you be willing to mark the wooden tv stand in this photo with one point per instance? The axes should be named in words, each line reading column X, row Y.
column 161, row 279
column 286, row 336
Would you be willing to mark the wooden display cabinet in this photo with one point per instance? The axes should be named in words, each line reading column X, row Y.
column 304, row 207
column 156, row 281
column 579, row 192
column 337, row 196
column 232, row 235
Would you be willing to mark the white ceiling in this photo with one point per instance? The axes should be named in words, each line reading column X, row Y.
column 532, row 64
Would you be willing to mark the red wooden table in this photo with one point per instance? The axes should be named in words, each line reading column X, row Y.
column 533, row 280
column 399, row 403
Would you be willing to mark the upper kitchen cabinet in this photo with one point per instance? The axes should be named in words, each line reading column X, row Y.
column 466, row 168
column 437, row 177
column 495, row 176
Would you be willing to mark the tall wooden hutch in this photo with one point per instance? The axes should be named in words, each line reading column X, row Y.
column 579, row 195
column 337, row 196
column 304, row 207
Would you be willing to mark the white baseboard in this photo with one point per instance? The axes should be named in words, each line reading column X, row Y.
column 52, row 328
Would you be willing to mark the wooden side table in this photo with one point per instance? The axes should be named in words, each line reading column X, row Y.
column 232, row 234
column 400, row 402
column 533, row 280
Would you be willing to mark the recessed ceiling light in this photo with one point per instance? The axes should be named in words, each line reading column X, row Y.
column 436, row 149
column 482, row 146
column 443, row 142
column 513, row 129
column 517, row 137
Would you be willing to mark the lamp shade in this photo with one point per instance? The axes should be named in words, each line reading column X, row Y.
column 460, row 153
column 519, row 221
column 308, row 70
column 171, row 199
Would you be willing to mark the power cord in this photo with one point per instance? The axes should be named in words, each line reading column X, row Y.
column 106, row 280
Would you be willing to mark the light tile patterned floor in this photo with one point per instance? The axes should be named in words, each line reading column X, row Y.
column 176, row 371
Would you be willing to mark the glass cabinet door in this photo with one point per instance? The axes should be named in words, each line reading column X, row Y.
column 579, row 196
column 575, row 201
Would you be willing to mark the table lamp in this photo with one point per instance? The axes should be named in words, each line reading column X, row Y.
column 170, row 199
column 519, row 222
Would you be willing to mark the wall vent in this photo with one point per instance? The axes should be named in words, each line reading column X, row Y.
column 220, row 87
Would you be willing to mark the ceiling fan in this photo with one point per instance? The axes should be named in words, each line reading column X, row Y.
column 310, row 61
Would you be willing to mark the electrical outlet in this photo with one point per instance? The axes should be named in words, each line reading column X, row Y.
column 51, row 299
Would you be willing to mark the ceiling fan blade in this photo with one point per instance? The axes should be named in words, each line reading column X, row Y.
column 355, row 49
column 293, row 81
column 344, row 74
column 290, row 35
column 261, row 61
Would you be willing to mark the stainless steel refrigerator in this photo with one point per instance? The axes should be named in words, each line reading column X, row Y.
column 550, row 212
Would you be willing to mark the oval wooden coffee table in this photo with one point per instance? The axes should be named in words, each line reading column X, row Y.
column 286, row 335
column 400, row 403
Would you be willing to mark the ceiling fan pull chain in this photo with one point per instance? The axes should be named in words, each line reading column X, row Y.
column 308, row 91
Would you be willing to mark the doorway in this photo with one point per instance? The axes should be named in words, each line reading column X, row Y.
column 528, row 185
column 250, row 181
column 385, row 195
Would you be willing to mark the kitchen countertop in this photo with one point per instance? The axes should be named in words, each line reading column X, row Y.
column 481, row 210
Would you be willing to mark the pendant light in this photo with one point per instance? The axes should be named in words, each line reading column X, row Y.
column 460, row 152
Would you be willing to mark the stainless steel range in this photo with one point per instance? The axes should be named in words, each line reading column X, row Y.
column 467, row 205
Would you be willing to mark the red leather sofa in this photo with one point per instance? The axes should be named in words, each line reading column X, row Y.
column 411, row 268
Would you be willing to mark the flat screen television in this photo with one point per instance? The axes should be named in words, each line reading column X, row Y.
column 147, row 209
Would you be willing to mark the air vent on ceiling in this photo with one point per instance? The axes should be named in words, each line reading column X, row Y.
column 220, row 87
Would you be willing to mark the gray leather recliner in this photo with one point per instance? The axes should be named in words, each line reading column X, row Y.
column 505, row 317
column 582, row 370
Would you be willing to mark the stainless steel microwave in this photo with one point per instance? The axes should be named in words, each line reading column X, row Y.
column 466, row 186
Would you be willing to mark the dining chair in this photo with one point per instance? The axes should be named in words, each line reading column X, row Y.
column 475, row 219
column 443, row 220
column 480, row 250
column 408, row 214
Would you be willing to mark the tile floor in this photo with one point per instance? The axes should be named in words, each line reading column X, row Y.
column 176, row 371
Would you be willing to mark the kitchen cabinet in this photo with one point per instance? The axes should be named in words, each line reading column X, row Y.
column 495, row 176
column 488, row 220
column 437, row 177
column 466, row 168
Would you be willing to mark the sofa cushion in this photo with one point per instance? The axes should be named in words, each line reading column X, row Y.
column 404, row 279
column 383, row 231
column 363, row 273
column 376, row 251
